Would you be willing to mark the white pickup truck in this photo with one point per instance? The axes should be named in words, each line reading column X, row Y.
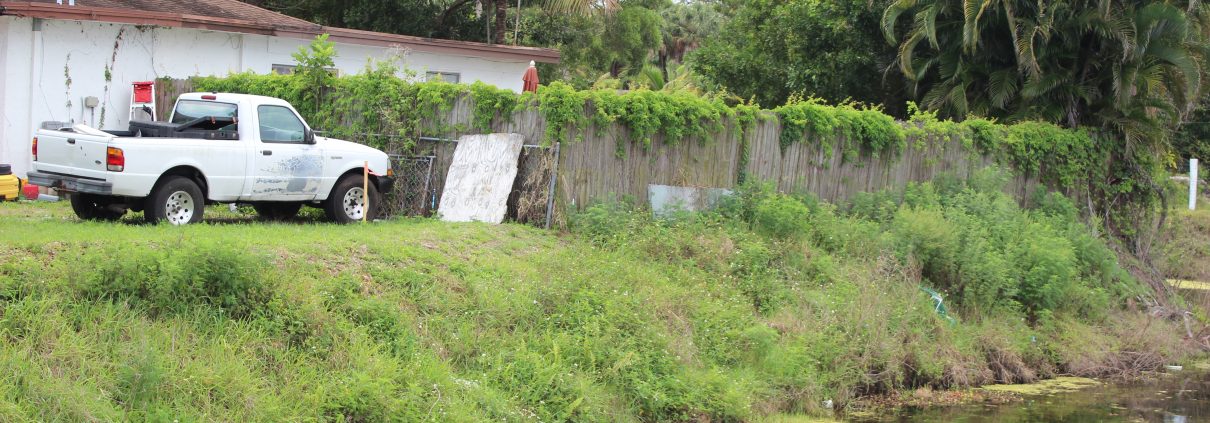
column 216, row 148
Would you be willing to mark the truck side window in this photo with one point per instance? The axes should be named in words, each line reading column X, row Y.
column 279, row 124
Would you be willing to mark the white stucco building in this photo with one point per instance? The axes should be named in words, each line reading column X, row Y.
column 55, row 56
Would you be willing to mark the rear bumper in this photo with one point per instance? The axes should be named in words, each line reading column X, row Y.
column 385, row 183
column 70, row 183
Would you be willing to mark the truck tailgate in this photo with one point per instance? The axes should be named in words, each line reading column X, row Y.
column 72, row 153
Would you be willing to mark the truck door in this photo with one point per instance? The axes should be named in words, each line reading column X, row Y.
column 285, row 166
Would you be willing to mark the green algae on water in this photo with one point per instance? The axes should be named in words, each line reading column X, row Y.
column 1046, row 387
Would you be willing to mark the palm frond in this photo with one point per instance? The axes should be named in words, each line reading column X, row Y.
column 891, row 16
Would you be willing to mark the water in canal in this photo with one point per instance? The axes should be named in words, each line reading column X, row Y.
column 1174, row 397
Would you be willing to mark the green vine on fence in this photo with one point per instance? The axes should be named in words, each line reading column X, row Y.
column 384, row 106
column 395, row 111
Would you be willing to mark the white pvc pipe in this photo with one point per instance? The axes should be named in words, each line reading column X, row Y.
column 1192, row 184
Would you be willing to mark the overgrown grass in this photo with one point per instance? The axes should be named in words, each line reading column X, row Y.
column 1184, row 248
column 771, row 306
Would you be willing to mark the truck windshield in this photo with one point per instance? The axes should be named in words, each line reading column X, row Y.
column 188, row 110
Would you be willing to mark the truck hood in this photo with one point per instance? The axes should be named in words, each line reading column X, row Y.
column 334, row 145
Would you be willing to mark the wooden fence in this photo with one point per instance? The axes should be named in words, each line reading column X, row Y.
column 599, row 168
column 594, row 170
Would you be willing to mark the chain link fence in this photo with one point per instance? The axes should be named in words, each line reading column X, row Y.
column 413, row 193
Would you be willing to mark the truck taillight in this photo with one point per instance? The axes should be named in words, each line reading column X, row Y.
column 35, row 149
column 115, row 161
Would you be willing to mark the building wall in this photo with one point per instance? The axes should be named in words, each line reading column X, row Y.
column 4, row 23
column 15, row 101
column 72, row 60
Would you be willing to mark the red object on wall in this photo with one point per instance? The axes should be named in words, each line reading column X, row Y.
column 30, row 191
column 142, row 91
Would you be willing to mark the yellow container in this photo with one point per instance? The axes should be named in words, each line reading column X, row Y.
column 10, row 187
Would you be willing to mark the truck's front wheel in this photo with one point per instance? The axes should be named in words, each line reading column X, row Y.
column 347, row 202
column 176, row 200
column 93, row 207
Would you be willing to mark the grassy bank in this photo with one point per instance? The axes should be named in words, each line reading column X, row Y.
column 774, row 305
column 1184, row 250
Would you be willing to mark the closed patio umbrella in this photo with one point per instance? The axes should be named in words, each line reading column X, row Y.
column 531, row 78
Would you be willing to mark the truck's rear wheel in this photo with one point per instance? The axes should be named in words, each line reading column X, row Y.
column 177, row 200
column 93, row 207
column 277, row 211
column 347, row 202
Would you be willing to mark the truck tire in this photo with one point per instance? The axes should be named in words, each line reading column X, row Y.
column 177, row 200
column 277, row 211
column 93, row 207
column 346, row 202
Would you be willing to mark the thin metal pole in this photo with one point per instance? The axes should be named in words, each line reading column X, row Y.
column 1192, row 184
column 427, row 196
column 550, row 194
column 365, row 191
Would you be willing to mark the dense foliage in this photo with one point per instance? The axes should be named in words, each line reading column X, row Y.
column 1135, row 67
column 456, row 20
column 771, row 50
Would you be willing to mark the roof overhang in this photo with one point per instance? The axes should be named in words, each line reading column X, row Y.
column 338, row 35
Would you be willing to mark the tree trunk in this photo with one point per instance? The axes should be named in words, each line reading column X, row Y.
column 501, row 21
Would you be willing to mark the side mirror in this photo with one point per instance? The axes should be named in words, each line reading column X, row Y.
column 309, row 136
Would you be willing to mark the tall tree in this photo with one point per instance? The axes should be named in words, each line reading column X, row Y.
column 615, row 38
column 686, row 26
column 773, row 49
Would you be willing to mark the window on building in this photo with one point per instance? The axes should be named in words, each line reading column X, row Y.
column 453, row 77
column 289, row 70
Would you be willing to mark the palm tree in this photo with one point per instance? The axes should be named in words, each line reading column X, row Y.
column 1112, row 63
column 686, row 26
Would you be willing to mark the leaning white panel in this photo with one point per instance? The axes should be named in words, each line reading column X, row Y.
column 480, row 178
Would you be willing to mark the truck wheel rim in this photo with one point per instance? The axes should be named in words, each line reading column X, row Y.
column 354, row 203
column 179, row 208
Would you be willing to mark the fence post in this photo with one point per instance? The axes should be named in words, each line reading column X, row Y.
column 550, row 193
column 1192, row 184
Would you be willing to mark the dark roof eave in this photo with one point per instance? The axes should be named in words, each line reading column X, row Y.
column 340, row 35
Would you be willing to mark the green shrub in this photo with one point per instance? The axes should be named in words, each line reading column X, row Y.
column 177, row 278
column 604, row 223
column 781, row 217
column 927, row 236
column 742, row 203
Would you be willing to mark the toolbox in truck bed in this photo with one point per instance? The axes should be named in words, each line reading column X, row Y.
column 210, row 128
